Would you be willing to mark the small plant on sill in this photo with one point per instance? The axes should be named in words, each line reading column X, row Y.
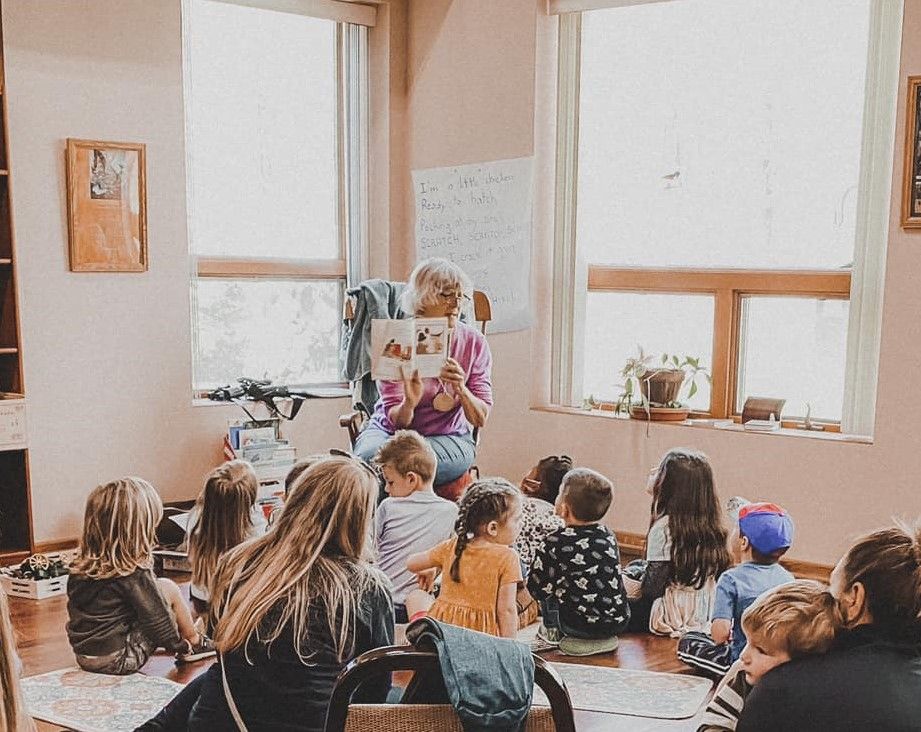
column 650, row 382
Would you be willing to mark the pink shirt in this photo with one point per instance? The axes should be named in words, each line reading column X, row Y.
column 470, row 349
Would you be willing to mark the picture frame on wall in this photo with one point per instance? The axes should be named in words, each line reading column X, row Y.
column 106, row 206
column 911, row 197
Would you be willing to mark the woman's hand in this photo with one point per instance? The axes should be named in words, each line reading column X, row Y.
column 412, row 387
column 453, row 373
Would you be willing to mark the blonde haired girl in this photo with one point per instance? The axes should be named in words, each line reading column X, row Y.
column 224, row 519
column 480, row 570
column 13, row 714
column 294, row 606
column 119, row 612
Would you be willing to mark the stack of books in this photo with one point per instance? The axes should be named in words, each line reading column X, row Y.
column 260, row 443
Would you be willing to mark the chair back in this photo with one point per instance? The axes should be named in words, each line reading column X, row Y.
column 345, row 717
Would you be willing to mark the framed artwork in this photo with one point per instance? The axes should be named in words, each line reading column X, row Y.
column 911, row 197
column 106, row 206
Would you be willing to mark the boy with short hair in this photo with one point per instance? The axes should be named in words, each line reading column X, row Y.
column 575, row 574
column 765, row 533
column 796, row 619
column 413, row 518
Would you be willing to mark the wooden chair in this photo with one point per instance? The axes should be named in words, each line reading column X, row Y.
column 410, row 717
column 354, row 421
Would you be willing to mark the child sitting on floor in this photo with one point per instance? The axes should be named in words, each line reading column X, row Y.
column 413, row 518
column 119, row 612
column 224, row 518
column 800, row 618
column 765, row 533
column 576, row 572
column 480, row 570
column 540, row 487
column 685, row 547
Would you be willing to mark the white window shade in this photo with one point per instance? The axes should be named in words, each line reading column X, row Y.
column 338, row 10
column 558, row 7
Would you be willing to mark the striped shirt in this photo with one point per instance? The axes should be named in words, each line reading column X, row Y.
column 725, row 708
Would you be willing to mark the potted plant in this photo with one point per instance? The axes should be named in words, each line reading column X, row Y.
column 652, row 387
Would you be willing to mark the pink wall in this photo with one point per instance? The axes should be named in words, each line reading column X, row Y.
column 480, row 88
column 108, row 356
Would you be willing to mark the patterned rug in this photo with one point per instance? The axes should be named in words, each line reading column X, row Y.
column 637, row 693
column 88, row 702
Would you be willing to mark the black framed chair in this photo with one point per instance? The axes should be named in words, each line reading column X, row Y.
column 408, row 716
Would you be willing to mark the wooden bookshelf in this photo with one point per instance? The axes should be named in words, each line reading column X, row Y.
column 15, row 496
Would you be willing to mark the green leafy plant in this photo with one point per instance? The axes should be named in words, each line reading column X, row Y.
column 640, row 368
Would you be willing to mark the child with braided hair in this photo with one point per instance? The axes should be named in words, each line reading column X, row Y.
column 480, row 570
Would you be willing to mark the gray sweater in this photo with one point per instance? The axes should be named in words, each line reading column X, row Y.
column 104, row 611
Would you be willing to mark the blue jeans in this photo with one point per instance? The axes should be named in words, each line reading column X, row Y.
column 455, row 453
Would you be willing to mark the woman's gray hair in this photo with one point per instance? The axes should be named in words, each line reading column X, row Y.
column 428, row 279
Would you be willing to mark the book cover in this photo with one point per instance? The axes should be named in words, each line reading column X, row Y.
column 400, row 346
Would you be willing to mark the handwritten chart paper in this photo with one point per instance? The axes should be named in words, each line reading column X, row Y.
column 479, row 217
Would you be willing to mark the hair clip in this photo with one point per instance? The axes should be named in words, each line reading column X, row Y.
column 469, row 535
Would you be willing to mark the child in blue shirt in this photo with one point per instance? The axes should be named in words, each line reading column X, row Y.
column 765, row 533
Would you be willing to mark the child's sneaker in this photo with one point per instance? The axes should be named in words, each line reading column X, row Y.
column 550, row 636
column 203, row 649
column 570, row 646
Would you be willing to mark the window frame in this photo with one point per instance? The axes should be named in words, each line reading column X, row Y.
column 352, row 263
column 861, row 284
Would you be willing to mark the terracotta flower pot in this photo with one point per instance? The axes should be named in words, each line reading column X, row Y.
column 661, row 386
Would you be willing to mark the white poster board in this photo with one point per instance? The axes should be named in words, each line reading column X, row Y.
column 479, row 217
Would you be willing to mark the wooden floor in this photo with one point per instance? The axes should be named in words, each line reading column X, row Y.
column 43, row 647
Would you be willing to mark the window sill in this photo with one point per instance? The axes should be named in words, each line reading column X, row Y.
column 721, row 425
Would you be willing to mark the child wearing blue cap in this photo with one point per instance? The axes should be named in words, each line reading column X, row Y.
column 764, row 536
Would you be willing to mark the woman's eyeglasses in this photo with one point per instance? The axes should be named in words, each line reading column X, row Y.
column 449, row 298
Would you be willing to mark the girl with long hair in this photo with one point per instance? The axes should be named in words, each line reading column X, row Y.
column 13, row 714
column 119, row 612
column 686, row 547
column 224, row 520
column 291, row 609
column 480, row 570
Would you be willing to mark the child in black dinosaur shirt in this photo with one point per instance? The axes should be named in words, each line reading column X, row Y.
column 575, row 574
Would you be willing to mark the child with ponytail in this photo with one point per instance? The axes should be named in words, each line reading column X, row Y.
column 225, row 518
column 480, row 570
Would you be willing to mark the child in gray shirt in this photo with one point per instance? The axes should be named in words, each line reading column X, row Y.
column 413, row 518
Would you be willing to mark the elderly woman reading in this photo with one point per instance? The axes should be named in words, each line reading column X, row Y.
column 444, row 409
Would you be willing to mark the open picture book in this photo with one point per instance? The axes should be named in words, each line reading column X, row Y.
column 400, row 346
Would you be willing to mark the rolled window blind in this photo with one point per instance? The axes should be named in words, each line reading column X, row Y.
column 557, row 7
column 337, row 10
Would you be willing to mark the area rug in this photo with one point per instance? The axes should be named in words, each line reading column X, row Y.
column 637, row 693
column 88, row 702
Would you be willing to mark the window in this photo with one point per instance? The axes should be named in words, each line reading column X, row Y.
column 721, row 167
column 276, row 119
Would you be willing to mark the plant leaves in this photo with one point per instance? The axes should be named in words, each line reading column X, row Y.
column 693, row 390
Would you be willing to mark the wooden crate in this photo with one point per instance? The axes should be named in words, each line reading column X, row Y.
column 34, row 589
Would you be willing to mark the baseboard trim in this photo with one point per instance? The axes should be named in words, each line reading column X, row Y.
column 633, row 546
column 44, row 547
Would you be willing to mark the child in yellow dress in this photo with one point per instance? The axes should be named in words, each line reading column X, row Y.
column 480, row 571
